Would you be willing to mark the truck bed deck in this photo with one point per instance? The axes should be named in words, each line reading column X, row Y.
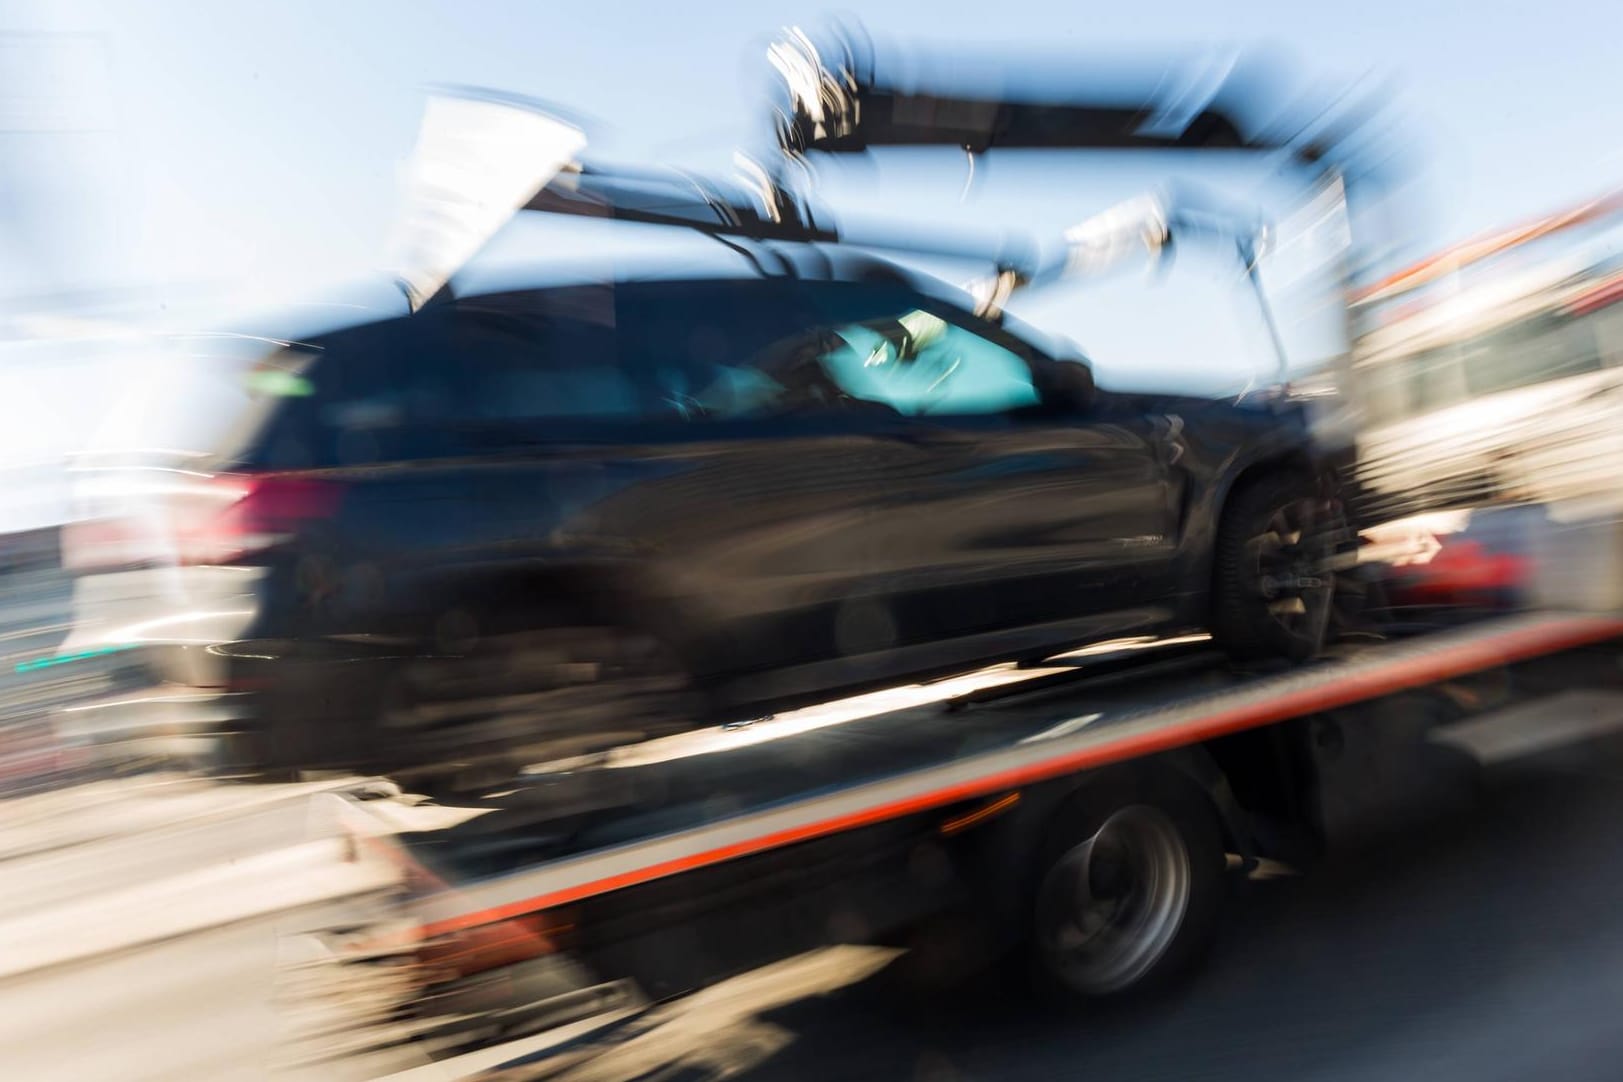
column 571, row 831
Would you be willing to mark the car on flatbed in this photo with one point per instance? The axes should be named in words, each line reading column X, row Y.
column 562, row 511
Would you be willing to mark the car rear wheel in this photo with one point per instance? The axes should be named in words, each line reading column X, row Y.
column 1273, row 587
column 488, row 705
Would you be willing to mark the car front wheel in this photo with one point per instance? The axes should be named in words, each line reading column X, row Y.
column 1273, row 588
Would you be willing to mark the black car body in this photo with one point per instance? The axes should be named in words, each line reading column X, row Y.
column 595, row 510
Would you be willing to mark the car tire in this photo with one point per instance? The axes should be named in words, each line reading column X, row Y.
column 1272, row 589
column 494, row 704
column 1128, row 889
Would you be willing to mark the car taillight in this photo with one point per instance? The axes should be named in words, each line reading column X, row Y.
column 198, row 520
column 241, row 515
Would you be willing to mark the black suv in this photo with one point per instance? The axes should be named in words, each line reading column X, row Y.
column 580, row 512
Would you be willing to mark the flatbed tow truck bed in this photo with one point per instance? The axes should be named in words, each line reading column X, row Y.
column 584, row 889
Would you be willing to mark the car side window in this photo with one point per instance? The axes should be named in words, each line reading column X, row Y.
column 648, row 356
column 915, row 362
column 538, row 355
column 635, row 354
column 727, row 351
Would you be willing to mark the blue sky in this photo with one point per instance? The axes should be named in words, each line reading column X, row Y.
column 255, row 146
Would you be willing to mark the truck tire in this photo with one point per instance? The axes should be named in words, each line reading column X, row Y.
column 1128, row 891
column 1272, row 589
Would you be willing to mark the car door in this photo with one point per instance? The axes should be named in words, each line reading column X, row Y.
column 1003, row 515
column 636, row 428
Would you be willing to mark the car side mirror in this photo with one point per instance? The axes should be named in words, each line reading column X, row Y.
column 1067, row 386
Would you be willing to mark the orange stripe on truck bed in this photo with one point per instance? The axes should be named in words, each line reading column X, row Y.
column 1350, row 687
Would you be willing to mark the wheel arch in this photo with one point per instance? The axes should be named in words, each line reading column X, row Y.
column 1297, row 459
column 1009, row 852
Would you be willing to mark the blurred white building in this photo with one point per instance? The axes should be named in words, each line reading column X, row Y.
column 1493, row 372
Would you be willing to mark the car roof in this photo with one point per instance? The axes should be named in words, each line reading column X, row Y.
column 701, row 259
column 751, row 261
column 655, row 256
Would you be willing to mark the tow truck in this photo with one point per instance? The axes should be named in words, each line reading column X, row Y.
column 1081, row 812
column 1000, row 820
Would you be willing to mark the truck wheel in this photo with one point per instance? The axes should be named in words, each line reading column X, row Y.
column 1128, row 894
column 1272, row 587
